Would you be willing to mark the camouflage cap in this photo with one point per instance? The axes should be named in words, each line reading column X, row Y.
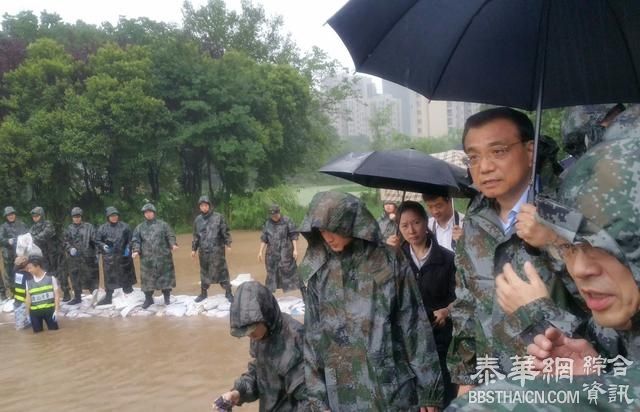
column 110, row 211
column 340, row 213
column 273, row 209
column 148, row 206
column 604, row 187
column 581, row 129
column 76, row 211
column 204, row 199
column 8, row 211
column 38, row 210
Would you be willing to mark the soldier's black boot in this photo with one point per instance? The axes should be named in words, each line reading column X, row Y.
column 66, row 297
column 228, row 294
column 167, row 295
column 127, row 289
column 77, row 297
column 148, row 300
column 107, row 299
column 203, row 294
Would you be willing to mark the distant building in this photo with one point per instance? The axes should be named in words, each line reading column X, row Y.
column 410, row 113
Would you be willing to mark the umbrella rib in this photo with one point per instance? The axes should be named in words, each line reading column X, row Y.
column 625, row 39
column 453, row 49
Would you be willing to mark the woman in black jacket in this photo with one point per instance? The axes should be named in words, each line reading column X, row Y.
column 435, row 271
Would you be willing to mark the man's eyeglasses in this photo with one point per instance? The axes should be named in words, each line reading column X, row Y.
column 569, row 251
column 495, row 153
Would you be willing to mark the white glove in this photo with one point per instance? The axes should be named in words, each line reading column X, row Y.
column 12, row 241
column 73, row 251
column 55, row 316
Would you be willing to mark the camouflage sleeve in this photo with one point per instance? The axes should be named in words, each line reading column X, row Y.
column 294, row 381
column 224, row 229
column 66, row 243
column 99, row 239
column 533, row 318
column 135, row 240
column 47, row 233
column 414, row 334
column 195, row 242
column 4, row 237
column 293, row 231
column 247, row 384
column 461, row 358
column 264, row 236
column 171, row 236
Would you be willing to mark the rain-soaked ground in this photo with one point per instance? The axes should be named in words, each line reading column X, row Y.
column 131, row 364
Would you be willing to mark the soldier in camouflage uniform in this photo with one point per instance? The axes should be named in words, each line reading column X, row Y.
column 596, row 232
column 154, row 241
column 583, row 127
column 387, row 221
column 276, row 372
column 368, row 342
column 113, row 241
column 45, row 237
column 280, row 239
column 211, row 239
column 499, row 146
column 9, row 232
column 81, row 255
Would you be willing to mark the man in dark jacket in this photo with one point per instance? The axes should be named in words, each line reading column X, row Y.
column 211, row 239
column 113, row 241
column 276, row 373
column 9, row 232
column 82, row 261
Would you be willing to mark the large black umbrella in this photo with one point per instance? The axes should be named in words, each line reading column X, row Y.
column 529, row 54
column 408, row 170
column 499, row 51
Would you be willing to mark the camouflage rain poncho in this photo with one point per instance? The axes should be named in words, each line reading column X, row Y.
column 275, row 375
column 368, row 344
column 83, row 266
column 153, row 240
column 281, row 266
column 210, row 236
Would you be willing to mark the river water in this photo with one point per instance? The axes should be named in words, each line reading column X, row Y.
column 131, row 364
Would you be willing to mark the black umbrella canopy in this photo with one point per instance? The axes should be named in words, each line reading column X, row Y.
column 408, row 170
column 499, row 51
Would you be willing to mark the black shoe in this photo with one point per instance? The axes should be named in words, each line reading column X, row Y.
column 229, row 295
column 107, row 299
column 202, row 296
column 148, row 300
column 66, row 297
column 167, row 296
column 76, row 300
column 128, row 289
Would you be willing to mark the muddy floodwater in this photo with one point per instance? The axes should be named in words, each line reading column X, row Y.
column 131, row 364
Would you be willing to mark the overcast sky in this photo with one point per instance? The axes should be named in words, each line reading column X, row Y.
column 304, row 19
